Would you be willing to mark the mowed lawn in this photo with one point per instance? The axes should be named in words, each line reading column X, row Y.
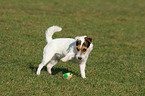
column 115, row 67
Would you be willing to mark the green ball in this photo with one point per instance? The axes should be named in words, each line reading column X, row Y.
column 67, row 75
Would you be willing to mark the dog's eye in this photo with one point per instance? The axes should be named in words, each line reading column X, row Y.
column 78, row 49
column 84, row 50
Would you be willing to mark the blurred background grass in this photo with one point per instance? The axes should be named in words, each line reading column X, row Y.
column 115, row 66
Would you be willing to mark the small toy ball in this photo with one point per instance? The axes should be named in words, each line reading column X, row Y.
column 67, row 75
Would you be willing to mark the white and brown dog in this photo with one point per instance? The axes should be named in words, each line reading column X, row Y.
column 65, row 49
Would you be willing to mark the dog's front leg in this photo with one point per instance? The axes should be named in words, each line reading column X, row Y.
column 82, row 69
column 67, row 57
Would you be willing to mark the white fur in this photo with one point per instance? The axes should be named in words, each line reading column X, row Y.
column 63, row 49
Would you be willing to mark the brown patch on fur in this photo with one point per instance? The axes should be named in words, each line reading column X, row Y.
column 78, row 44
column 84, row 49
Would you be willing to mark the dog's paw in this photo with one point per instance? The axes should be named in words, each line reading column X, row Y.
column 63, row 60
column 38, row 73
column 49, row 70
column 84, row 77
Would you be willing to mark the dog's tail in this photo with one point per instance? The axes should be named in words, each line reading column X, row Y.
column 50, row 31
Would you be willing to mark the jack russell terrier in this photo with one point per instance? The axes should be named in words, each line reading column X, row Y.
column 65, row 49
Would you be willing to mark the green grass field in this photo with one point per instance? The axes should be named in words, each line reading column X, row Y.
column 116, row 66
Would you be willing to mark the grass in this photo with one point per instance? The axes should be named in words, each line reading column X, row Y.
column 115, row 66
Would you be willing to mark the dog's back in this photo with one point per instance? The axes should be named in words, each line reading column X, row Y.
column 61, row 45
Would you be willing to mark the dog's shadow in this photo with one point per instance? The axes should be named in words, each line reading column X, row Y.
column 55, row 71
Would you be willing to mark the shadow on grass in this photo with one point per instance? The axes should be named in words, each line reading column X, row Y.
column 54, row 70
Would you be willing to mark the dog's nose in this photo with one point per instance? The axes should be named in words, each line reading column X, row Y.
column 80, row 58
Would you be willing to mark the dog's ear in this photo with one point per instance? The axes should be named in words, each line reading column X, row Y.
column 78, row 42
column 90, row 40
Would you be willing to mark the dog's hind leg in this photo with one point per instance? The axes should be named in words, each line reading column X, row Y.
column 46, row 59
column 51, row 64
column 41, row 65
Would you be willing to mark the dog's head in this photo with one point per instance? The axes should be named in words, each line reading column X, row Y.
column 83, row 46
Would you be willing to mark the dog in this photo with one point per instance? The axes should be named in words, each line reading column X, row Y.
column 65, row 49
